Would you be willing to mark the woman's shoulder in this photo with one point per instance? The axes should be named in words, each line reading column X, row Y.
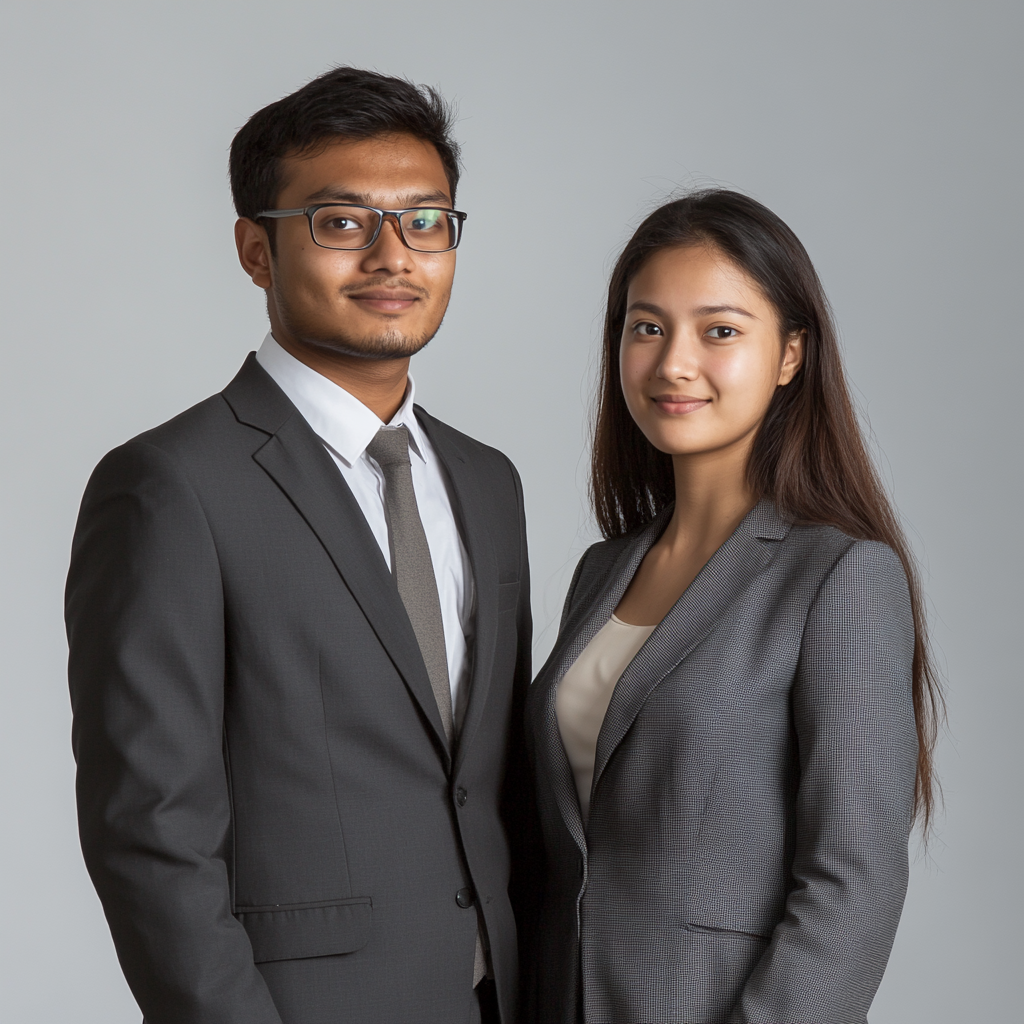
column 833, row 542
column 600, row 557
column 593, row 568
column 595, row 563
column 844, row 563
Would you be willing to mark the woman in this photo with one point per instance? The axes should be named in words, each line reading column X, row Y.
column 733, row 733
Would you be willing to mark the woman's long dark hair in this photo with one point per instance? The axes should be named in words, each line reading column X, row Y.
column 808, row 457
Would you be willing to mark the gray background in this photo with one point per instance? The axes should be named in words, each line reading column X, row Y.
column 886, row 134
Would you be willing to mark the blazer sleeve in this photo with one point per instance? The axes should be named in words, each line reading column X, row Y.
column 144, row 611
column 854, row 719
column 570, row 595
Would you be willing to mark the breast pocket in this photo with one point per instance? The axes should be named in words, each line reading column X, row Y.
column 300, row 930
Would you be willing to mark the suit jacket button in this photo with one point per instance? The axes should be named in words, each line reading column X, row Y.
column 464, row 898
column 461, row 796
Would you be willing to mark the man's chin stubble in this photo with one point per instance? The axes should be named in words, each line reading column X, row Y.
column 389, row 345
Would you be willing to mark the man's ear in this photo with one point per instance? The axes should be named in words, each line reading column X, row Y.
column 253, row 247
column 792, row 356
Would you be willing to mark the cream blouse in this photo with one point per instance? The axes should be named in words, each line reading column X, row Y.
column 585, row 692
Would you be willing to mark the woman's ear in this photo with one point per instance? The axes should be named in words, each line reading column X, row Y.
column 792, row 357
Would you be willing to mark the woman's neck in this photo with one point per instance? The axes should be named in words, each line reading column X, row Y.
column 712, row 497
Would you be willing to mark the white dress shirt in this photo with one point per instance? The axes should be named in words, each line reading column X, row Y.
column 346, row 427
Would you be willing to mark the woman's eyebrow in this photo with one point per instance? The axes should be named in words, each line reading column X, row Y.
column 713, row 310
column 656, row 310
column 646, row 307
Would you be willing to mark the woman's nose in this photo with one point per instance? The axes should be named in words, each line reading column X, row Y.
column 679, row 360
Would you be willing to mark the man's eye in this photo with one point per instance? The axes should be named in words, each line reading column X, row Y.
column 647, row 329
column 425, row 220
column 723, row 332
column 341, row 224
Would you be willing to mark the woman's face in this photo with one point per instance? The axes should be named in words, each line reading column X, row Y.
column 701, row 352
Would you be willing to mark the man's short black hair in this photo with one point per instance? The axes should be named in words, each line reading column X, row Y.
column 345, row 103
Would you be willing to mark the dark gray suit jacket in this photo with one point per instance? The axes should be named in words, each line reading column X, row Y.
column 268, row 807
column 746, row 854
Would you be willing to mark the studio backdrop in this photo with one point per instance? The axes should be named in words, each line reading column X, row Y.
column 885, row 132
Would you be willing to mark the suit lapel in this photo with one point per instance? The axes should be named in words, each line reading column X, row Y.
column 593, row 608
column 723, row 579
column 469, row 505
column 295, row 458
column 590, row 612
column 726, row 575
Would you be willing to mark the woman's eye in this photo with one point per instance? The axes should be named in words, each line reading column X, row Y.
column 723, row 332
column 647, row 329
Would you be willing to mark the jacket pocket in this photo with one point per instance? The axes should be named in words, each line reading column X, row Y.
column 709, row 929
column 299, row 930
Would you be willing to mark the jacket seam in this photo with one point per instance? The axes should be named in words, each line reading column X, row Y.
column 330, row 764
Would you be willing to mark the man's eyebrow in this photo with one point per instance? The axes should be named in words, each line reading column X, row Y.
column 334, row 194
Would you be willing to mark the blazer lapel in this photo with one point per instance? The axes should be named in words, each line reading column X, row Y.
column 590, row 613
column 593, row 608
column 469, row 504
column 729, row 571
column 725, row 576
column 295, row 458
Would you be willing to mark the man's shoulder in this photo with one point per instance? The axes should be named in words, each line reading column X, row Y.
column 205, row 442
column 198, row 431
column 482, row 456
column 190, row 446
column 250, row 406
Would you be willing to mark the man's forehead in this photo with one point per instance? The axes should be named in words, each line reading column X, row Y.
column 343, row 193
column 394, row 170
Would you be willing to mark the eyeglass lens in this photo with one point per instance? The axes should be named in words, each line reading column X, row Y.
column 352, row 227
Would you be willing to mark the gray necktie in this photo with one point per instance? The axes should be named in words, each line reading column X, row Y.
column 410, row 562
column 414, row 573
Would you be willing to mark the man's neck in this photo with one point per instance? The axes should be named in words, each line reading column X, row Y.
column 380, row 384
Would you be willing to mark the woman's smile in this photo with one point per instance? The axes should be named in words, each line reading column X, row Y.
column 679, row 405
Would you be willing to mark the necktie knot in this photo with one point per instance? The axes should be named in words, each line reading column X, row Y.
column 390, row 447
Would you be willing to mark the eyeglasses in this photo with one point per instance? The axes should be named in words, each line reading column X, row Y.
column 350, row 226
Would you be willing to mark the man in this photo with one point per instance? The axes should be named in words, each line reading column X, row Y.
column 299, row 626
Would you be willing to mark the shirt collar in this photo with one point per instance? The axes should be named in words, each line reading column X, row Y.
column 337, row 417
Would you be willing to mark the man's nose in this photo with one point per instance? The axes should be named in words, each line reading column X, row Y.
column 388, row 253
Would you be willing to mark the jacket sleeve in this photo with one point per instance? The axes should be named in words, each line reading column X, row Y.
column 570, row 595
column 854, row 719
column 522, row 823
column 144, row 612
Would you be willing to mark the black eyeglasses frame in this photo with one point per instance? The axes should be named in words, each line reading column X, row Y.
column 309, row 211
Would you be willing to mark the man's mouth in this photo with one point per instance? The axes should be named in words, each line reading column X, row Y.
column 385, row 300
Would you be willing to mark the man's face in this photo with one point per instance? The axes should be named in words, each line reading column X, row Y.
column 385, row 302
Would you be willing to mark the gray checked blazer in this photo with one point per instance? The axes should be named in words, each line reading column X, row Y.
column 746, row 854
